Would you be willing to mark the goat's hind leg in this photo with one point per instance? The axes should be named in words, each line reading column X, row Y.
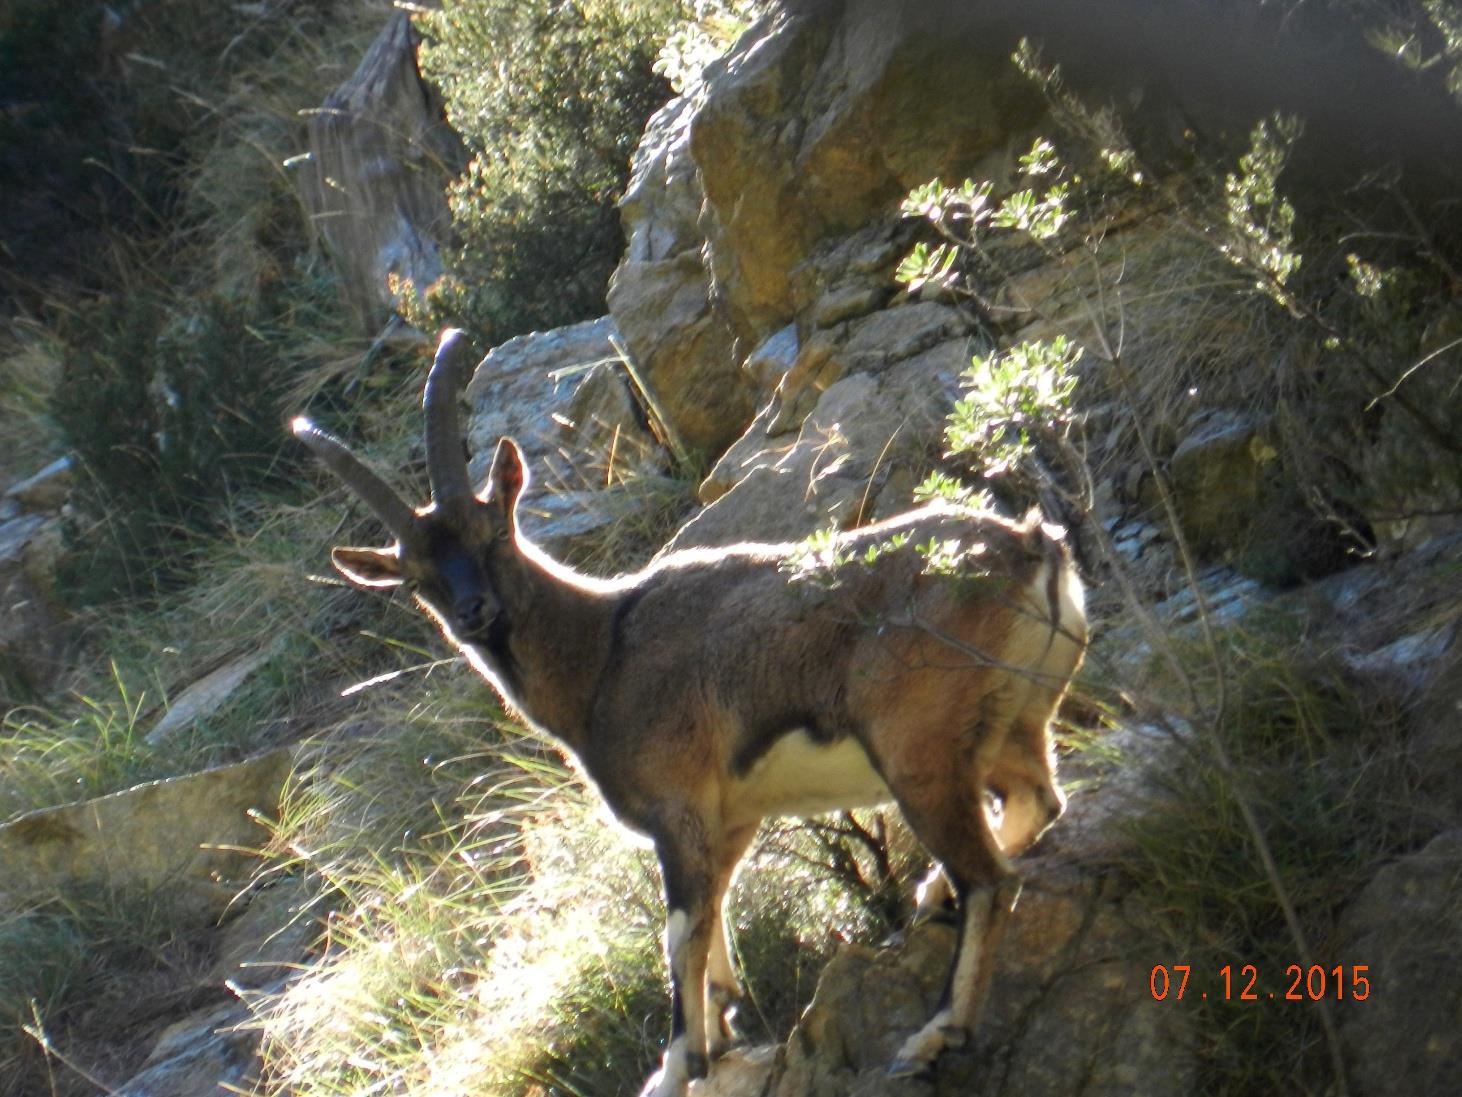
column 984, row 912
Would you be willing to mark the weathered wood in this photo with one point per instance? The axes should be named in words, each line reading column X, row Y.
column 381, row 154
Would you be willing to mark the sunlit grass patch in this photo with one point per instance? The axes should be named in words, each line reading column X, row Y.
column 252, row 598
column 91, row 746
column 495, row 931
column 469, row 908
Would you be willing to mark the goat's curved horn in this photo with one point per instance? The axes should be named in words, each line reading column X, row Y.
column 373, row 491
column 446, row 462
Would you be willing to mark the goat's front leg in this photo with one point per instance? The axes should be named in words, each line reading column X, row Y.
column 689, row 873
column 723, row 988
column 956, row 828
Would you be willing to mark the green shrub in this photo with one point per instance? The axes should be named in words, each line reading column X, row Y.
column 551, row 98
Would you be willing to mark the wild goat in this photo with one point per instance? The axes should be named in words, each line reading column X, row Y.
column 717, row 688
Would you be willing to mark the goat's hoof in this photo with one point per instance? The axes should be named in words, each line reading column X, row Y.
column 910, row 1068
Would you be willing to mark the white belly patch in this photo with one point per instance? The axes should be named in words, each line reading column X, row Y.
column 798, row 776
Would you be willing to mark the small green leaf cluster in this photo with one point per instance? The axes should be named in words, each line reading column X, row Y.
column 710, row 27
column 874, row 552
column 1012, row 397
column 1367, row 279
column 816, row 557
column 819, row 557
column 958, row 213
column 1014, row 400
column 928, row 266
column 940, row 485
column 947, row 556
column 1260, row 219
column 1039, row 215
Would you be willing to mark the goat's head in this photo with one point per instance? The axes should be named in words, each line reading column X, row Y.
column 458, row 553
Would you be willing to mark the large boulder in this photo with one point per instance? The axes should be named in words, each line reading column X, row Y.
column 1074, row 1013
column 768, row 193
column 208, row 693
column 815, row 125
column 758, row 198
column 849, row 426
column 566, row 398
column 189, row 834
column 661, row 295
column 213, row 1051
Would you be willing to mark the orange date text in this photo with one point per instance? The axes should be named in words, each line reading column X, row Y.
column 1177, row 982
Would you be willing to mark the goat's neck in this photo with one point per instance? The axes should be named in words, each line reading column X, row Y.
column 559, row 638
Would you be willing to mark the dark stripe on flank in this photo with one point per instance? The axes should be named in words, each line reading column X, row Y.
column 761, row 738
column 622, row 609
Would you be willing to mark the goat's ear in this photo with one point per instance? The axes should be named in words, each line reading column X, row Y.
column 367, row 567
column 505, row 481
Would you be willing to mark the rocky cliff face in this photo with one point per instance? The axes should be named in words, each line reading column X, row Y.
column 763, row 234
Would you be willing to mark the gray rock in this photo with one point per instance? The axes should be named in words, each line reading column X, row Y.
column 1405, row 1037
column 208, row 694
column 17, row 533
column 46, row 490
column 816, row 126
column 1436, row 746
column 871, row 419
column 269, row 940
column 1069, row 1011
column 772, row 358
column 836, row 470
column 563, row 397
column 742, row 1072
column 558, row 520
column 1217, row 481
column 212, row 1052
column 661, row 295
